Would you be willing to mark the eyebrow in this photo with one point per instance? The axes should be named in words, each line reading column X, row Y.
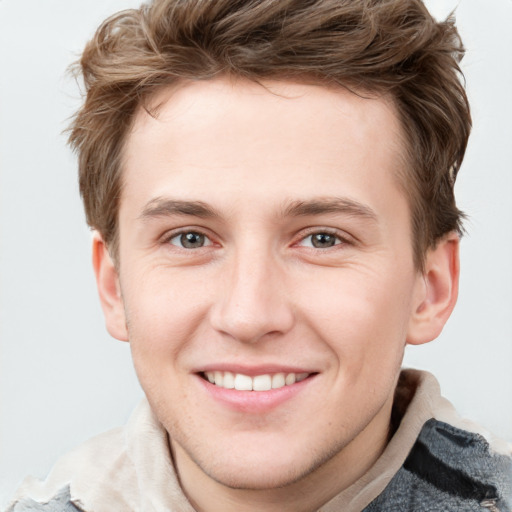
column 320, row 206
column 162, row 207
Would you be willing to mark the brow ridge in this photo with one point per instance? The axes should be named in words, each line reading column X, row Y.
column 320, row 206
column 162, row 207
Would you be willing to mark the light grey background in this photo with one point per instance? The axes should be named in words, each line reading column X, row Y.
column 62, row 379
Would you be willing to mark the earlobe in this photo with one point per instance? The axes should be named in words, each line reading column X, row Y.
column 437, row 293
column 107, row 281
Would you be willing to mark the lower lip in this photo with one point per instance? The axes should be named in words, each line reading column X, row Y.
column 256, row 402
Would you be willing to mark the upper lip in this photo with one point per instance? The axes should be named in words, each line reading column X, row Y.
column 252, row 371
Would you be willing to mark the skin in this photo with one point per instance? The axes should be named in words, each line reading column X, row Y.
column 274, row 167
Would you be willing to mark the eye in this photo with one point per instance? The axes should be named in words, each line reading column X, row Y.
column 190, row 240
column 321, row 240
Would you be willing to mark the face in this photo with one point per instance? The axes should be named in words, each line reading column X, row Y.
column 265, row 243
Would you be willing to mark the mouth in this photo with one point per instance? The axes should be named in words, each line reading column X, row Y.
column 263, row 382
column 255, row 390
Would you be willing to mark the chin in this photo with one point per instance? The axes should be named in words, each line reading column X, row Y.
column 261, row 477
column 263, row 467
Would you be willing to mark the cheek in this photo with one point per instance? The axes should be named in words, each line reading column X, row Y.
column 362, row 316
column 164, row 310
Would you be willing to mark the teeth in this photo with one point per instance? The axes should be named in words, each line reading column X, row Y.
column 219, row 379
column 229, row 380
column 262, row 383
column 290, row 379
column 278, row 380
column 240, row 382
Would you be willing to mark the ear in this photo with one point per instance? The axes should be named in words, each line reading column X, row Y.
column 437, row 291
column 107, row 281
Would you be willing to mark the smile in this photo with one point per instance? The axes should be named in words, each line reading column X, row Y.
column 241, row 382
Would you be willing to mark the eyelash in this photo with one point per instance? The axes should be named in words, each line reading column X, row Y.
column 339, row 240
column 180, row 234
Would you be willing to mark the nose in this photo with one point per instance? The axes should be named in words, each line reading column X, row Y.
column 253, row 302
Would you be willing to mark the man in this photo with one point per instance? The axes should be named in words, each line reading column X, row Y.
column 271, row 186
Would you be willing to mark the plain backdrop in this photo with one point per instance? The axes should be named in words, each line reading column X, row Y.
column 63, row 379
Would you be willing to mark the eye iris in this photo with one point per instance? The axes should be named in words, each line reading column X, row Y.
column 322, row 240
column 192, row 240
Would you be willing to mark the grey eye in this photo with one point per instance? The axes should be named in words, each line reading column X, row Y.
column 190, row 240
column 323, row 240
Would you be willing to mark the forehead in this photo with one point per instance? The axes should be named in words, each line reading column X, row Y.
column 260, row 141
column 194, row 108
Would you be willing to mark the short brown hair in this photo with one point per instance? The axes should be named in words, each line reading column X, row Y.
column 391, row 47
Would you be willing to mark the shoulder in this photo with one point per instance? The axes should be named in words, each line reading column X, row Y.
column 104, row 469
column 128, row 468
column 61, row 502
column 460, row 467
column 91, row 465
column 453, row 464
